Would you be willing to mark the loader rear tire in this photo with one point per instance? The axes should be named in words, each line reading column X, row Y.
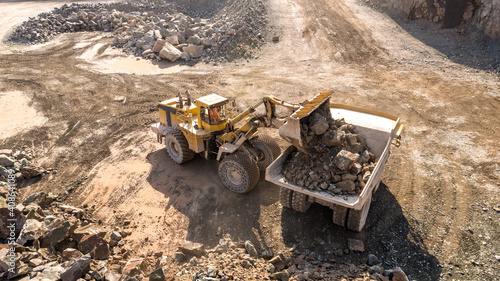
column 300, row 202
column 286, row 197
column 268, row 148
column 356, row 219
column 239, row 172
column 178, row 147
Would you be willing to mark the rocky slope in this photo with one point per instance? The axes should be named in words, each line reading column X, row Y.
column 483, row 15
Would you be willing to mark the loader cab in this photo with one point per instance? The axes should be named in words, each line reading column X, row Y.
column 212, row 114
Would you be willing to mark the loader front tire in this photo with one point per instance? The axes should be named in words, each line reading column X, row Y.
column 239, row 172
column 286, row 197
column 268, row 149
column 300, row 202
column 178, row 147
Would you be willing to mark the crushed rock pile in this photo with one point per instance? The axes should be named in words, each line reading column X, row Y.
column 157, row 29
column 20, row 163
column 336, row 158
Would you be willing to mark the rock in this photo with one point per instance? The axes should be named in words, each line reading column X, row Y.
column 77, row 269
column 350, row 177
column 6, row 222
column 318, row 124
column 192, row 249
column 71, row 254
column 279, row 262
column 222, row 247
column 179, row 257
column 6, row 161
column 355, row 245
column 41, row 199
column 170, row 52
column 282, row 275
column 35, row 262
column 164, row 273
column 333, row 138
column 398, row 275
column 194, row 51
column 185, row 56
column 133, row 267
column 250, row 248
column 174, row 40
column 32, row 230
column 345, row 159
column 95, row 245
column 79, row 233
column 32, row 171
column 57, row 233
column 276, row 39
column 195, row 40
column 267, row 254
column 372, row 260
column 51, row 273
column 158, row 45
column 346, row 185
column 112, row 276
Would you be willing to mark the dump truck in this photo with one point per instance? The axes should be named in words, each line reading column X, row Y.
column 380, row 130
column 211, row 127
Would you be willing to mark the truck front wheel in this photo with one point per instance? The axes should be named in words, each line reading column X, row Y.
column 239, row 172
column 300, row 202
column 286, row 197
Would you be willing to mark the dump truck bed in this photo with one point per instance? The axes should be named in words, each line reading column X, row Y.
column 379, row 129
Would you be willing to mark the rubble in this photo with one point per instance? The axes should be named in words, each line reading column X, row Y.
column 157, row 29
column 336, row 158
column 69, row 246
column 20, row 163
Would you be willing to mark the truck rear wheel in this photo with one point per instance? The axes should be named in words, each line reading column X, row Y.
column 340, row 215
column 178, row 147
column 268, row 149
column 239, row 172
column 356, row 219
column 286, row 197
column 300, row 202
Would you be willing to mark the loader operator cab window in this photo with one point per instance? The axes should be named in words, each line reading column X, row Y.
column 214, row 115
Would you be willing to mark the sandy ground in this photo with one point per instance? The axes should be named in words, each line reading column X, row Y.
column 433, row 216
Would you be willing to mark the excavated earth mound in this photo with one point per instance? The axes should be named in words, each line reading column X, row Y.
column 171, row 30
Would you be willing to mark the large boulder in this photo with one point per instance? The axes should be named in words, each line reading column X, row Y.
column 32, row 230
column 95, row 245
column 170, row 52
column 58, row 232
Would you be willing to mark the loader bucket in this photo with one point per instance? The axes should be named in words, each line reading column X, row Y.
column 291, row 130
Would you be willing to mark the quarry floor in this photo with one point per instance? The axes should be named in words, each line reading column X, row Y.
column 435, row 214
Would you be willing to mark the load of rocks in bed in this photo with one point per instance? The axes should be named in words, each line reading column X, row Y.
column 335, row 157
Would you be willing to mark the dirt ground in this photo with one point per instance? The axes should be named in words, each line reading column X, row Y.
column 435, row 215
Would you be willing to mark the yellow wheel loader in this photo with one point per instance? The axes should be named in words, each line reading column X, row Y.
column 209, row 126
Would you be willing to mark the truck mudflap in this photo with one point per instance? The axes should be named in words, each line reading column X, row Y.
column 381, row 130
